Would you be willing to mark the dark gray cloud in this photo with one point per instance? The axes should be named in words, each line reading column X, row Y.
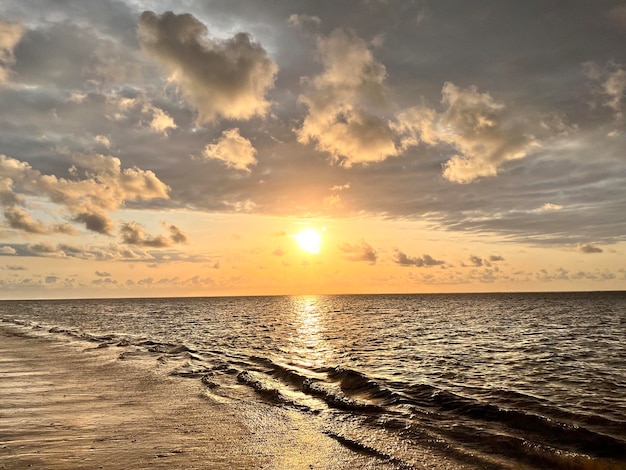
column 220, row 78
column 131, row 233
column 423, row 261
column 589, row 248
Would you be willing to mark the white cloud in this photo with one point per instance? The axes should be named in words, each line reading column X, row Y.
column 474, row 124
column 233, row 149
column 159, row 120
column 339, row 120
column 550, row 207
column 103, row 140
column 220, row 78
column 479, row 129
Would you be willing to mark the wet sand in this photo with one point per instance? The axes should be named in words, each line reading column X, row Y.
column 69, row 405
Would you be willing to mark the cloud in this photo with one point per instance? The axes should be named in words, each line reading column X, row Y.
column 415, row 125
column 220, row 78
column 10, row 36
column 45, row 248
column 104, row 282
column 102, row 274
column 495, row 258
column 110, row 252
column 159, row 120
column 476, row 261
column 234, row 150
column 339, row 100
column 550, row 207
column 589, row 248
column 13, row 267
column 20, row 220
column 96, row 222
column 104, row 188
column 102, row 140
column 177, row 235
column 362, row 251
column 7, row 250
column 424, row 261
column 299, row 21
column 611, row 81
column 562, row 274
column 279, row 252
column 132, row 233
column 478, row 127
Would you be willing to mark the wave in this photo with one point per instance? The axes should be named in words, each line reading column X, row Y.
column 469, row 421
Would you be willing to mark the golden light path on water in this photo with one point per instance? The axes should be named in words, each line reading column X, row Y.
column 310, row 348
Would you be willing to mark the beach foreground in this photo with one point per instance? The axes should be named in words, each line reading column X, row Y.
column 70, row 405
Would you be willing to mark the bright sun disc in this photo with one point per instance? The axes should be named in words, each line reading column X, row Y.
column 309, row 240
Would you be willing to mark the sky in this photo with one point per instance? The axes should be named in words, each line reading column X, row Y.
column 220, row 147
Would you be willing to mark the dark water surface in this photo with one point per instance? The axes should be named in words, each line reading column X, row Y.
column 493, row 380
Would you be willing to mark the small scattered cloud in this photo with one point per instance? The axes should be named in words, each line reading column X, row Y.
column 300, row 21
column 220, row 78
column 340, row 187
column 589, row 248
column 102, row 140
column 547, row 207
column 14, row 267
column 476, row 261
column 495, row 258
column 234, row 150
column 96, row 222
column 423, row 261
column 361, row 251
column 133, row 233
column 7, row 250
column 103, row 274
column 158, row 120
column 176, row 234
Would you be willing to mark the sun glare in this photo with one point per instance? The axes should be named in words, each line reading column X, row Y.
column 309, row 240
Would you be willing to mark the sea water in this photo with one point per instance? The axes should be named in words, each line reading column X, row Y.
column 490, row 380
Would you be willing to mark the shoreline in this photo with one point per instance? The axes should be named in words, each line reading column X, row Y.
column 70, row 405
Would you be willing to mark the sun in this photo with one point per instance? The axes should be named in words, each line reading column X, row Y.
column 309, row 240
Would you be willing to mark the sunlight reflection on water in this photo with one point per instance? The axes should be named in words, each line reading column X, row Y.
column 309, row 347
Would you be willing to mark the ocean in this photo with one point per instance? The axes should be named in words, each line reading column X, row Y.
column 532, row 380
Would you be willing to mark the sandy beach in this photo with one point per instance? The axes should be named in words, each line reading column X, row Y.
column 70, row 405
